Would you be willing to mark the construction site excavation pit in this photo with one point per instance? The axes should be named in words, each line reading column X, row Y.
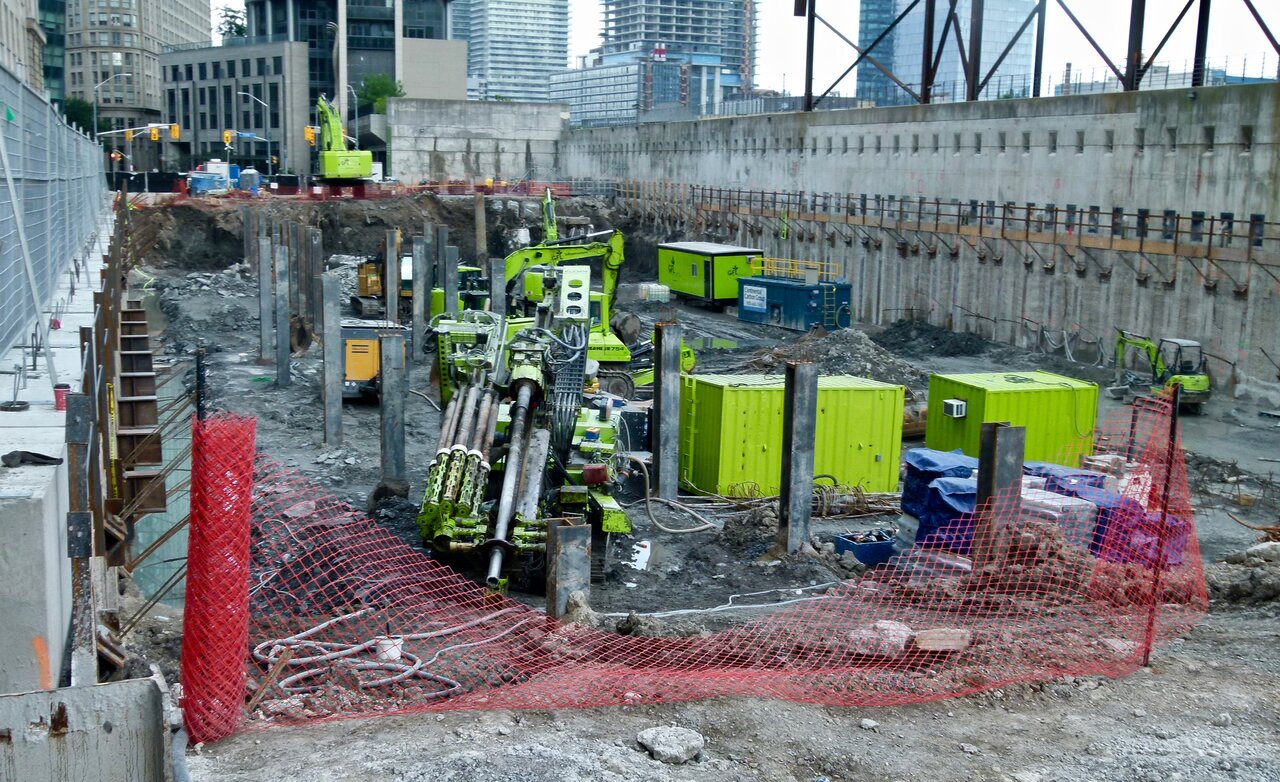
column 788, row 666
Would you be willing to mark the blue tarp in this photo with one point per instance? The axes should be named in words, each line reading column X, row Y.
column 1064, row 476
column 947, row 500
column 1142, row 544
column 925, row 465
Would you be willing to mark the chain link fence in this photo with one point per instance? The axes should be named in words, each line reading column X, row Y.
column 52, row 191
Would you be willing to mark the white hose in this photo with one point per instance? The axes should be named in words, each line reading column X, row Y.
column 705, row 526
column 341, row 654
column 732, row 606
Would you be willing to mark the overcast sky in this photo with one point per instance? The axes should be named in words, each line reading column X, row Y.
column 1233, row 36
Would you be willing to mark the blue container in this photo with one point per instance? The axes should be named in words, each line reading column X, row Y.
column 870, row 548
column 794, row 304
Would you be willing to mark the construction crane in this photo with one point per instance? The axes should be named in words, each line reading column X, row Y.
column 520, row 442
column 338, row 164
column 1170, row 361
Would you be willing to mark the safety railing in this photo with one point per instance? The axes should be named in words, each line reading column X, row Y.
column 797, row 269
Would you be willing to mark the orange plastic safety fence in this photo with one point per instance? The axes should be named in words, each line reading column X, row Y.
column 1010, row 592
column 216, row 619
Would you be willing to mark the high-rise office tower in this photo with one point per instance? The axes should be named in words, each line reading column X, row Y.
column 265, row 84
column 113, row 58
column 513, row 46
column 22, row 41
column 684, row 55
column 711, row 33
column 902, row 49
column 53, row 21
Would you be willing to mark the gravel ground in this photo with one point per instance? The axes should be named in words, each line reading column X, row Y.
column 1205, row 709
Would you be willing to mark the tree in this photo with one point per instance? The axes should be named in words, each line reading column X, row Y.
column 376, row 88
column 80, row 112
column 231, row 23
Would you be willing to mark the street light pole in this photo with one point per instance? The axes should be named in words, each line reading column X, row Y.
column 355, row 115
column 96, row 87
column 266, row 123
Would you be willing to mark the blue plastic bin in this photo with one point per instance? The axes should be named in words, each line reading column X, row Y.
column 868, row 552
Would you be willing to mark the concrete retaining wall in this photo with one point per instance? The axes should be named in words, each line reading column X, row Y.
column 1145, row 150
column 439, row 140
column 105, row 733
column 1208, row 150
column 1006, row 291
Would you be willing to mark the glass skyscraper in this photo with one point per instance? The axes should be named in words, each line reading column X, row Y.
column 901, row 51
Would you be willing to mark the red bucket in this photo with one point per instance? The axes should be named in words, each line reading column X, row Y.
column 60, row 392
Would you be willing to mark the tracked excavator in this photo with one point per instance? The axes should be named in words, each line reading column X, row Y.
column 520, row 440
column 1170, row 362
column 339, row 165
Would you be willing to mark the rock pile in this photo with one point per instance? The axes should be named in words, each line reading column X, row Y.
column 843, row 352
column 1249, row 577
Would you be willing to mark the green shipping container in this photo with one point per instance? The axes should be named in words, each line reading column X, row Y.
column 705, row 271
column 731, row 432
column 1058, row 412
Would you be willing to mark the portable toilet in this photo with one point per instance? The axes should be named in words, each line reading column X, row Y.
column 250, row 180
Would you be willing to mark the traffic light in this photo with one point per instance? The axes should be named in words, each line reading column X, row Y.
column 128, row 135
column 226, row 137
column 115, row 156
column 155, row 134
column 274, row 160
column 174, row 131
column 309, row 133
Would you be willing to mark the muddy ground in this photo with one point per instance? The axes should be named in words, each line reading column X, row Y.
column 1206, row 709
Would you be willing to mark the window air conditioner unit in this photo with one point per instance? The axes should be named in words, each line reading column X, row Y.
column 954, row 408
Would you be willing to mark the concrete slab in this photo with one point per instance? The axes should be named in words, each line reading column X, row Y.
column 36, row 590
column 105, row 733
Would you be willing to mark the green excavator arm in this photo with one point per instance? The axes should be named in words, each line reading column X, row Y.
column 336, row 161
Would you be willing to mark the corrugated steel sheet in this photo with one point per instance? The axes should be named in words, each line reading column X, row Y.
column 731, row 432
column 1059, row 412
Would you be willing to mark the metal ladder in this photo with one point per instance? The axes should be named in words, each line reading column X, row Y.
column 829, row 306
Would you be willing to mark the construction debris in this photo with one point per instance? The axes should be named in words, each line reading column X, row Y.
column 712, row 567
column 1249, row 577
column 843, row 352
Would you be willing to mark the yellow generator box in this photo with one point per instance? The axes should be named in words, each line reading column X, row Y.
column 731, row 433
column 1058, row 412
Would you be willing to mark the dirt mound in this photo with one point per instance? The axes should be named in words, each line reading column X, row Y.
column 193, row 236
column 751, row 534
column 916, row 338
column 843, row 352
column 207, row 235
